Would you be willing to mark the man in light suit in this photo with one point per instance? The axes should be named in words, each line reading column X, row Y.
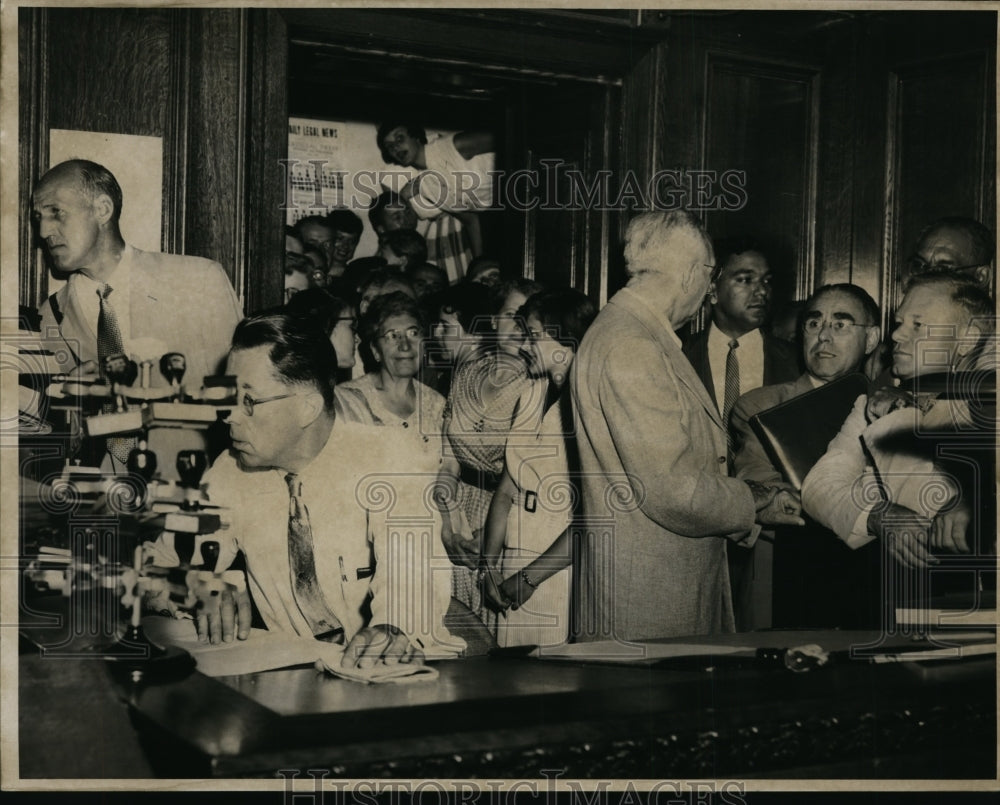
column 657, row 505
column 186, row 303
column 839, row 325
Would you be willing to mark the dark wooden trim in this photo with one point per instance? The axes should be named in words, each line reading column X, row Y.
column 33, row 152
column 264, row 143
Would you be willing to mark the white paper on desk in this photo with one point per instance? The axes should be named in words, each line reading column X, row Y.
column 267, row 651
column 614, row 651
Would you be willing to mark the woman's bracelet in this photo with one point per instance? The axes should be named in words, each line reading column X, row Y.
column 526, row 580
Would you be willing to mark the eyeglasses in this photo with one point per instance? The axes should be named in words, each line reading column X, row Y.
column 396, row 336
column 249, row 403
column 917, row 265
column 836, row 326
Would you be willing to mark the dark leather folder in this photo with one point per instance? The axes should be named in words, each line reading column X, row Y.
column 796, row 433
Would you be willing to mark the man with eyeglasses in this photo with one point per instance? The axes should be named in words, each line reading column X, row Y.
column 840, row 329
column 304, row 498
column 955, row 245
column 884, row 477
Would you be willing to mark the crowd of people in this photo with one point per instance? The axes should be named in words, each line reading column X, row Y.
column 422, row 465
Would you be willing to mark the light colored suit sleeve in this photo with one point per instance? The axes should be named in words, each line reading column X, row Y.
column 222, row 314
column 841, row 490
column 659, row 432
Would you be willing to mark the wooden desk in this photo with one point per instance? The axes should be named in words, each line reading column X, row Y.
column 511, row 718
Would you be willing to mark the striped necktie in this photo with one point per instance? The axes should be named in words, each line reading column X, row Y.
column 732, row 393
column 302, row 562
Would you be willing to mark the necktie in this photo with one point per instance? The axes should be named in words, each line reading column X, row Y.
column 302, row 562
column 732, row 393
column 109, row 342
column 109, row 336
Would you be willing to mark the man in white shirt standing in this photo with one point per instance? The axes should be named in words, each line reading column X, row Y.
column 116, row 295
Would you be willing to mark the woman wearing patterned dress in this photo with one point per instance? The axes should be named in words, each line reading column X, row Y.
column 491, row 395
column 527, row 529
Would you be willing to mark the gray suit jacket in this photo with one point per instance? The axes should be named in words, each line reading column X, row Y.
column 186, row 302
column 656, row 500
column 750, row 461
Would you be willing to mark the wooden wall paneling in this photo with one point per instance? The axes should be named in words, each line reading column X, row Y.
column 109, row 69
column 937, row 151
column 33, row 144
column 835, row 164
column 214, row 208
column 267, row 114
column 762, row 120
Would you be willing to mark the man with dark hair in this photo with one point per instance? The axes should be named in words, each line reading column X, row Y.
column 658, row 505
column 733, row 354
column 840, row 329
column 319, row 561
column 955, row 245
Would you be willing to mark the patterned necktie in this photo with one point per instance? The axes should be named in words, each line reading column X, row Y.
column 732, row 393
column 109, row 335
column 302, row 562
column 109, row 342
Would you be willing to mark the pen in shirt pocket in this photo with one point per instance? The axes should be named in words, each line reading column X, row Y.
column 343, row 570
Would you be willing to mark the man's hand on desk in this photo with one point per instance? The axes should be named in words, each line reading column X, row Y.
column 776, row 505
column 219, row 617
column 380, row 643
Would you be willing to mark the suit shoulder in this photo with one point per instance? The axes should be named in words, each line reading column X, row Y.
column 760, row 399
column 176, row 262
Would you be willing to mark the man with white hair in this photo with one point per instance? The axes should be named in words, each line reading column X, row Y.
column 658, row 507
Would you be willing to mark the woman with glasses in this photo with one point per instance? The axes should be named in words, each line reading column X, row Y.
column 527, row 529
column 393, row 328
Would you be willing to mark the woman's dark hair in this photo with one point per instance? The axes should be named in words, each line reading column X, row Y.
column 344, row 221
column 384, row 307
column 507, row 287
column 300, row 352
column 565, row 313
column 319, row 307
column 470, row 302
column 415, row 131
